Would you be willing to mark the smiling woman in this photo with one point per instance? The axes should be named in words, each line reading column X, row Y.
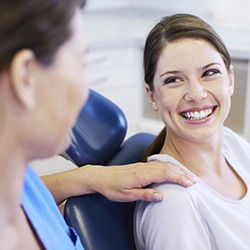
column 189, row 80
column 184, row 87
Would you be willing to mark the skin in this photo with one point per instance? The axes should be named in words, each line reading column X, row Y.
column 191, row 76
column 68, row 91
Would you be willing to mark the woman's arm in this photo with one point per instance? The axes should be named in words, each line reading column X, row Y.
column 175, row 223
column 118, row 183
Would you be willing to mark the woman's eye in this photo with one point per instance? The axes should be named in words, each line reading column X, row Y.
column 210, row 72
column 172, row 79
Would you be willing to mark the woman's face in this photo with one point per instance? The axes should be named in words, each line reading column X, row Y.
column 192, row 89
column 61, row 91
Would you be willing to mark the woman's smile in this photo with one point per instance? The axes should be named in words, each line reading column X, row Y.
column 197, row 114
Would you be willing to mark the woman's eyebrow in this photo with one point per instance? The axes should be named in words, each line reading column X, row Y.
column 170, row 72
column 210, row 64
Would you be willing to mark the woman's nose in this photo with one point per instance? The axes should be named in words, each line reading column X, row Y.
column 195, row 92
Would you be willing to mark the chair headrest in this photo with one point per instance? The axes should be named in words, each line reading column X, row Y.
column 131, row 150
column 99, row 131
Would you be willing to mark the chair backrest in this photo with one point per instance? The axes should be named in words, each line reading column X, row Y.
column 99, row 131
column 100, row 223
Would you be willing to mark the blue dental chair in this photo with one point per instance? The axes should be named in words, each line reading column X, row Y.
column 98, row 138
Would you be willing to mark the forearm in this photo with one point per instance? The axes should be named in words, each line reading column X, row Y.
column 71, row 183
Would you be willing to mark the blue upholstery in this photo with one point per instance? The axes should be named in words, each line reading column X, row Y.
column 131, row 150
column 98, row 132
column 100, row 223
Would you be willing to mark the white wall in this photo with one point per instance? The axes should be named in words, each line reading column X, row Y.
column 191, row 6
column 106, row 4
column 233, row 13
column 173, row 5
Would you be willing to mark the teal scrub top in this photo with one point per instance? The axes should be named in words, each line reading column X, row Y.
column 45, row 217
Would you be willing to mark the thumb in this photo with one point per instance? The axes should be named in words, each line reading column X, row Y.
column 147, row 194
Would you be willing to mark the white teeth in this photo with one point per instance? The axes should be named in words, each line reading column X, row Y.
column 197, row 115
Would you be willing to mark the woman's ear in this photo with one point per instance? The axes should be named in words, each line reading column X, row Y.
column 22, row 82
column 151, row 98
column 231, row 79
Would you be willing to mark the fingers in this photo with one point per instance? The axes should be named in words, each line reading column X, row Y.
column 150, row 195
column 181, row 177
column 169, row 172
column 145, row 194
column 186, row 180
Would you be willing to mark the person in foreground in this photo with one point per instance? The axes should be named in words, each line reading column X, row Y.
column 189, row 80
column 42, row 90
